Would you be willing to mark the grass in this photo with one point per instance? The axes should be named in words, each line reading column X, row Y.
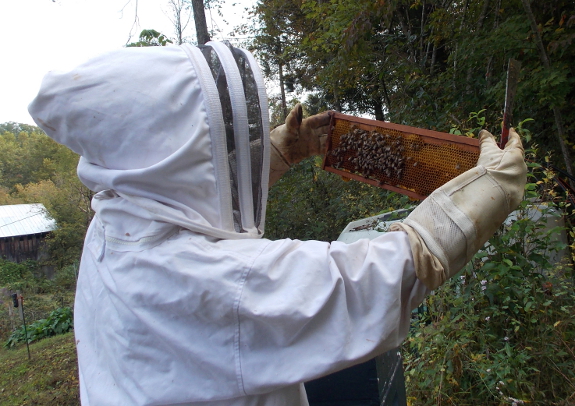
column 49, row 378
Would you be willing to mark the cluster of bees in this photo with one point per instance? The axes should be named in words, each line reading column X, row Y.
column 370, row 153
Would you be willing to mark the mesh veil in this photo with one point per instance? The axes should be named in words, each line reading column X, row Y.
column 255, row 128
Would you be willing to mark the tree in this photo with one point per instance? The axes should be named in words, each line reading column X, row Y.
column 151, row 38
column 429, row 63
column 276, row 28
column 36, row 169
column 547, row 65
column 180, row 17
column 200, row 21
column 21, row 156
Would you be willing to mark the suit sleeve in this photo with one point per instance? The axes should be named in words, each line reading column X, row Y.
column 311, row 308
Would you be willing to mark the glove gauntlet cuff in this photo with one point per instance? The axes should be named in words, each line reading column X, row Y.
column 457, row 219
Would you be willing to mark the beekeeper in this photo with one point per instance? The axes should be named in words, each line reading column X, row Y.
column 180, row 301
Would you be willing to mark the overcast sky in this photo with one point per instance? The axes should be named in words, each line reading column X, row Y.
column 43, row 35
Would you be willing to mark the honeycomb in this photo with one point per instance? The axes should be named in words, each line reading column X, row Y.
column 408, row 160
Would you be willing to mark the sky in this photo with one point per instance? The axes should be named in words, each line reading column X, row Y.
column 44, row 35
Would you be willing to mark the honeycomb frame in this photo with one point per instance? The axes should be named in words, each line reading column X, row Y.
column 407, row 160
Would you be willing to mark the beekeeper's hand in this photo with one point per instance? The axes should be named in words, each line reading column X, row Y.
column 296, row 140
column 456, row 220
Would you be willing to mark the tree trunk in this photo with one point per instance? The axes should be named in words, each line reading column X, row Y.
column 556, row 111
column 421, row 35
column 177, row 10
column 478, row 28
column 200, row 21
column 386, row 95
column 483, row 14
column 433, row 58
column 497, row 11
column 427, row 52
column 378, row 109
column 282, row 90
column 456, row 53
column 406, row 31
column 489, row 70
column 336, row 102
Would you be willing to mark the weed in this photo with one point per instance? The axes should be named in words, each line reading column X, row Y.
column 59, row 321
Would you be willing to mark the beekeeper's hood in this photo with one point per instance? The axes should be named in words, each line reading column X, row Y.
column 181, row 132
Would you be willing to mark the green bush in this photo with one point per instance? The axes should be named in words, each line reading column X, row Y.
column 11, row 272
column 59, row 321
column 65, row 278
column 502, row 332
column 308, row 203
column 25, row 277
column 41, row 295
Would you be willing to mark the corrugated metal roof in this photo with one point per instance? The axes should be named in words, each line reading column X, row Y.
column 24, row 219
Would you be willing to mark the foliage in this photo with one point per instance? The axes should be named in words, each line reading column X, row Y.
column 321, row 204
column 59, row 321
column 37, row 306
column 425, row 63
column 277, row 113
column 41, row 295
column 36, row 169
column 66, row 277
column 25, row 276
column 49, row 378
column 11, row 272
column 503, row 330
column 22, row 157
column 150, row 38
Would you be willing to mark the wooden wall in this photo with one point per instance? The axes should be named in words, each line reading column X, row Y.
column 20, row 248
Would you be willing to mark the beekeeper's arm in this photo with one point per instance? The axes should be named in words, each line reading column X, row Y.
column 456, row 220
column 296, row 140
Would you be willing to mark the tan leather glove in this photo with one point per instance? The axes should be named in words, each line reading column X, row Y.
column 296, row 140
column 456, row 220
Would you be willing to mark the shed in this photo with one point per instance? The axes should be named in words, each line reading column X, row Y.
column 23, row 229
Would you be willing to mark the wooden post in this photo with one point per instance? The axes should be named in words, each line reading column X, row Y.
column 20, row 304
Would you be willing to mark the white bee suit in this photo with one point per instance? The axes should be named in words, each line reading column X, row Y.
column 179, row 300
